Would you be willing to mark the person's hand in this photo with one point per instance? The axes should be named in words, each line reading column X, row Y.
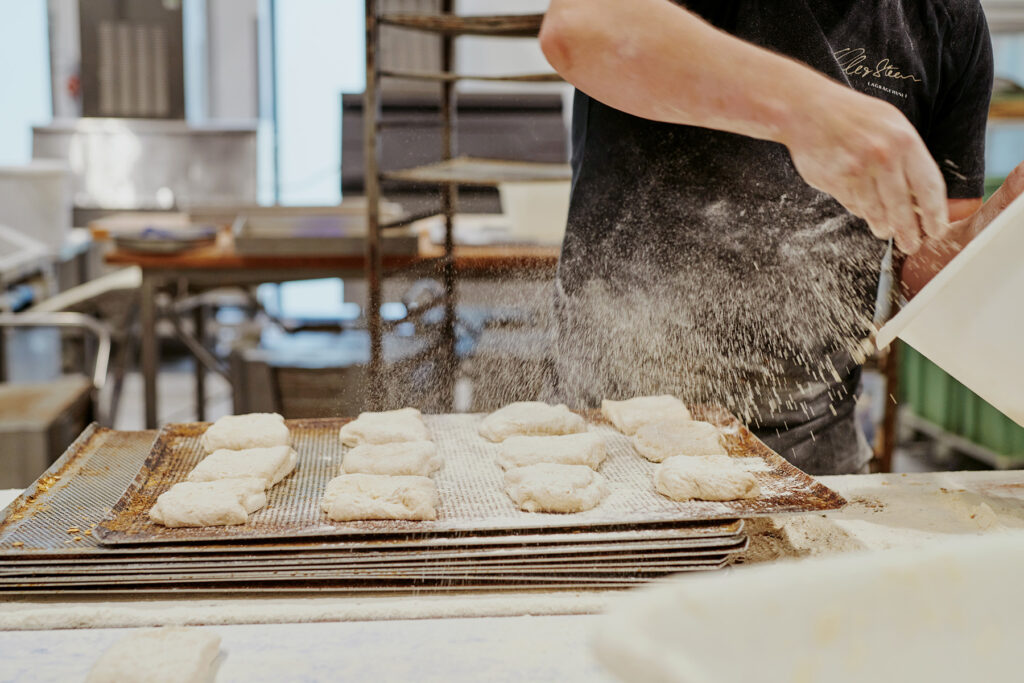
column 867, row 155
column 1011, row 188
column 918, row 270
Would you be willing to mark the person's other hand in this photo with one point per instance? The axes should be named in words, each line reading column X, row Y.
column 865, row 153
column 919, row 269
column 1011, row 188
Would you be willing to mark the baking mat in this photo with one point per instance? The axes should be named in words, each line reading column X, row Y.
column 470, row 486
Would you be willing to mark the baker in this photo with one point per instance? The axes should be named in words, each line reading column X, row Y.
column 741, row 170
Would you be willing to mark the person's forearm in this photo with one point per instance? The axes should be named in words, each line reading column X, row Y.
column 656, row 60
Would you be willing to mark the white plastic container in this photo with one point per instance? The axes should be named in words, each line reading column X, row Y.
column 35, row 200
column 969, row 320
column 537, row 212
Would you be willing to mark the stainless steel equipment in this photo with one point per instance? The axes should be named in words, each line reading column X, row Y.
column 135, row 164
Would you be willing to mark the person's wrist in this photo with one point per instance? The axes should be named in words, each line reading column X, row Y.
column 807, row 108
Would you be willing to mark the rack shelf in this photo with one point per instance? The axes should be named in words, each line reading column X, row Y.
column 452, row 77
column 481, row 172
column 448, row 174
column 508, row 25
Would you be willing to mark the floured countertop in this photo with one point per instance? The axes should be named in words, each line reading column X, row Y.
column 884, row 511
column 893, row 511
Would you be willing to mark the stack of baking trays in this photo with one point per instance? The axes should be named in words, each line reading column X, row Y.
column 83, row 527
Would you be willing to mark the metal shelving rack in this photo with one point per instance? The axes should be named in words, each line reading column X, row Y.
column 447, row 174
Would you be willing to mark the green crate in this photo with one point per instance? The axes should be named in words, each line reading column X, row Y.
column 935, row 396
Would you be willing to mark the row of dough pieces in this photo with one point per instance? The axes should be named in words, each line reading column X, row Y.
column 550, row 459
column 249, row 454
column 246, row 456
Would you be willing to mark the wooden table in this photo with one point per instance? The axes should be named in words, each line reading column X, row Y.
column 220, row 265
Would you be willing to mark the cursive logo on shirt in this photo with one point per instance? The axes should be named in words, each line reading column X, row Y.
column 854, row 61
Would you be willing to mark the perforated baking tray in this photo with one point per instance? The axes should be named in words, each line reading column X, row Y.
column 584, row 557
column 470, row 486
column 54, row 519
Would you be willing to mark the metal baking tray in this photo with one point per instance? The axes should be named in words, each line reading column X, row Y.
column 48, row 521
column 591, row 575
column 470, row 486
column 550, row 552
column 80, row 487
column 320, row 589
column 522, row 554
column 414, row 570
column 212, row 553
column 413, row 560
column 327, row 588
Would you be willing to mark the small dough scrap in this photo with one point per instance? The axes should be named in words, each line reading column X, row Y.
column 238, row 432
column 209, row 503
column 549, row 487
column 531, row 418
column 159, row 655
column 408, row 458
column 632, row 414
column 378, row 496
column 585, row 448
column 705, row 477
column 270, row 465
column 390, row 426
column 660, row 440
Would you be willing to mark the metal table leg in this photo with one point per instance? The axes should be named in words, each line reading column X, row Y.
column 150, row 351
column 199, row 330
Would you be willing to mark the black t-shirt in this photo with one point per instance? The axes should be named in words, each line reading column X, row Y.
column 699, row 263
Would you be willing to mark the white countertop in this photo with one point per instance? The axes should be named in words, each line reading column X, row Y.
column 489, row 649
column 433, row 637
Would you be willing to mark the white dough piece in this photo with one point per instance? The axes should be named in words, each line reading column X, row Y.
column 585, row 448
column 209, row 503
column 378, row 496
column 530, row 418
column 632, row 414
column 548, row 487
column 705, row 477
column 390, row 426
column 238, row 432
column 159, row 655
column 660, row 440
column 410, row 458
column 270, row 465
